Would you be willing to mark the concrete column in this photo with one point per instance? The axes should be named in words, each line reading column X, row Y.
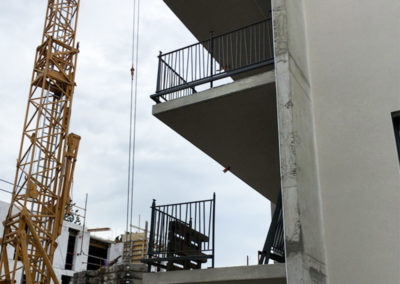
column 305, row 250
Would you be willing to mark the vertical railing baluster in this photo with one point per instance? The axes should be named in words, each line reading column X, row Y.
column 259, row 43
column 186, row 215
column 211, row 56
column 151, row 241
column 183, row 64
column 187, row 66
column 202, row 61
column 190, row 214
column 195, row 62
column 204, row 218
column 162, row 216
column 249, row 39
column 270, row 41
column 222, row 50
column 244, row 42
column 175, row 68
column 195, row 216
column 213, row 233
column 209, row 225
column 159, row 73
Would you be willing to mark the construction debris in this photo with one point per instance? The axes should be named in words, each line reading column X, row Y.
column 121, row 273
column 135, row 244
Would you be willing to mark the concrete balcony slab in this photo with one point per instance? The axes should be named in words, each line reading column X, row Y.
column 202, row 17
column 257, row 274
column 236, row 125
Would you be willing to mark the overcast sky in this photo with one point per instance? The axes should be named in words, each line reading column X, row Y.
column 168, row 168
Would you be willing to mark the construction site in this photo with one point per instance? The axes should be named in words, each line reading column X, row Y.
column 199, row 141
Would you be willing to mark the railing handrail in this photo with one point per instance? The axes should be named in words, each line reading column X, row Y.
column 220, row 56
column 190, row 202
column 205, row 80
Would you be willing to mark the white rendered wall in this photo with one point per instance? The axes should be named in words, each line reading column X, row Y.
column 116, row 250
column 339, row 64
column 354, row 58
column 80, row 258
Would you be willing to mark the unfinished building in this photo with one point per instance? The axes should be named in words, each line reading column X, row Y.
column 77, row 250
column 311, row 112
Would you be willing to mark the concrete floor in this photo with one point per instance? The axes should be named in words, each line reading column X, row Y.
column 256, row 274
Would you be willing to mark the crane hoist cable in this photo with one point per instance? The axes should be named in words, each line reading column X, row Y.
column 132, row 114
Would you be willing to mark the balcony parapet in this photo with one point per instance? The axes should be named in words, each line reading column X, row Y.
column 226, row 55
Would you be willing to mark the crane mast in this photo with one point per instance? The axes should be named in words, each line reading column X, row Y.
column 47, row 153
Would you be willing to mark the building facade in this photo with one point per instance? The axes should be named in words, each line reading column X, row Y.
column 310, row 112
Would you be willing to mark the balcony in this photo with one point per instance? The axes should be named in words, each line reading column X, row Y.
column 219, row 94
column 248, row 49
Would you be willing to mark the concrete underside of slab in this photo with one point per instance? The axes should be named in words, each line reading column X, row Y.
column 201, row 17
column 206, row 16
column 236, row 125
column 258, row 274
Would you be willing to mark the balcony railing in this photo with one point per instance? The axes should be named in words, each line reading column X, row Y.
column 182, row 235
column 225, row 55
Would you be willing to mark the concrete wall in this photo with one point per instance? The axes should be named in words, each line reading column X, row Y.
column 337, row 65
column 116, row 250
column 80, row 258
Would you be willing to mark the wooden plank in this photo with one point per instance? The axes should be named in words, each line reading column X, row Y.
column 183, row 229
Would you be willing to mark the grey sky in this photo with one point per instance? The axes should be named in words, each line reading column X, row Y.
column 168, row 168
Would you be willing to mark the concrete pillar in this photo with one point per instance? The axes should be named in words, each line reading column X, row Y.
column 305, row 250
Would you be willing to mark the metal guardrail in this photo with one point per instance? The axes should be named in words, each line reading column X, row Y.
column 225, row 55
column 274, row 247
column 182, row 235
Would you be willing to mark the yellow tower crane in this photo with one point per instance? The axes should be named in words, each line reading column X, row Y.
column 47, row 154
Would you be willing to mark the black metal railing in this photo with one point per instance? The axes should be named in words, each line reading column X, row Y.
column 218, row 57
column 274, row 247
column 182, row 235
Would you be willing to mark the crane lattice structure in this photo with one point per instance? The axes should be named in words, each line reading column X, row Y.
column 47, row 153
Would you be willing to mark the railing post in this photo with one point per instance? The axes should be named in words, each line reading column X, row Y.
column 151, row 239
column 158, row 87
column 270, row 34
column 211, row 57
column 266, row 252
column 159, row 73
column 213, row 237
